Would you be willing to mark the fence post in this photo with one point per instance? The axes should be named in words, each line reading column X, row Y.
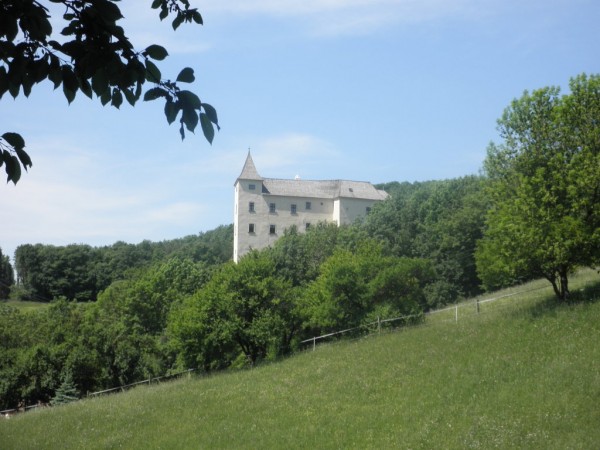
column 456, row 313
column 378, row 324
column 477, row 303
column 314, row 343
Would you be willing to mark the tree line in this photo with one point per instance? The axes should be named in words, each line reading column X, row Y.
column 177, row 305
column 80, row 272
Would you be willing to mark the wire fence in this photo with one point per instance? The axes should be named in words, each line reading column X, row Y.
column 8, row 412
column 474, row 306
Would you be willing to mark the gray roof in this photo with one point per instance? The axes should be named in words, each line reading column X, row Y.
column 249, row 171
column 323, row 189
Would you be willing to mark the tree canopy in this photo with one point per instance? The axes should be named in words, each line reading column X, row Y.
column 91, row 54
column 545, row 188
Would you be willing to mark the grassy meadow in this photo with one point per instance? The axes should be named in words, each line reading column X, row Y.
column 523, row 373
column 25, row 306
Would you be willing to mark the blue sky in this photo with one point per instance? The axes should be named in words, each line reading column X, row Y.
column 373, row 90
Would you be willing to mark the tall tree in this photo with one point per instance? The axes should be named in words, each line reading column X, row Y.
column 545, row 188
column 7, row 276
column 94, row 56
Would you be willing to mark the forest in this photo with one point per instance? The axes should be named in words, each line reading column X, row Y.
column 125, row 313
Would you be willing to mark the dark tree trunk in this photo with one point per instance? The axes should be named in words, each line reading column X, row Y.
column 560, row 284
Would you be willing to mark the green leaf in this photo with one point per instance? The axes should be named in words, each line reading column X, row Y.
column 117, row 98
column 189, row 99
column 154, row 93
column 156, row 4
column 108, row 10
column 207, row 127
column 24, row 157
column 13, row 88
column 177, row 21
column 182, row 131
column 70, row 83
column 27, row 84
column 190, row 118
column 69, row 94
column 171, row 111
column 211, row 113
column 86, row 88
column 197, row 17
column 13, row 169
column 186, row 75
column 152, row 73
column 156, row 52
column 130, row 97
column 55, row 75
column 105, row 97
column 164, row 12
column 14, row 139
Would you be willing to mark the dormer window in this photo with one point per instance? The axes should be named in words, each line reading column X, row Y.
column 252, row 187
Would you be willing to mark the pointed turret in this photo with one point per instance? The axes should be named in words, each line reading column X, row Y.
column 249, row 171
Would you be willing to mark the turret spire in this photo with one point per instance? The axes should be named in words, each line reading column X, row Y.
column 249, row 171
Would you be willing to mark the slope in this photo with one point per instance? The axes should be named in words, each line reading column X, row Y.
column 526, row 375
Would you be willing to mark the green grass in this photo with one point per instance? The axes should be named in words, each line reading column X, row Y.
column 26, row 306
column 524, row 373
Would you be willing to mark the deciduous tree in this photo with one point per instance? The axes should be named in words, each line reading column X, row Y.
column 545, row 187
column 245, row 308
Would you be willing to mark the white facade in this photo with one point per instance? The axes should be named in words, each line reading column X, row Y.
column 265, row 207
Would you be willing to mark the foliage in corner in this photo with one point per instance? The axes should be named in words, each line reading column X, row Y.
column 94, row 56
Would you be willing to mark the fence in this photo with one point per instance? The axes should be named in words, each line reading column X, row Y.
column 9, row 412
column 474, row 305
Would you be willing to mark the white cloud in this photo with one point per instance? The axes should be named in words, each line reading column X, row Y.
column 291, row 154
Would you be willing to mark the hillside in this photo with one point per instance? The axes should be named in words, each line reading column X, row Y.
column 524, row 373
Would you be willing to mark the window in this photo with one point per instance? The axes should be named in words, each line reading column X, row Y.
column 251, row 207
column 252, row 187
column 368, row 210
column 293, row 209
column 308, row 205
column 250, row 228
column 307, row 226
column 272, row 208
column 271, row 229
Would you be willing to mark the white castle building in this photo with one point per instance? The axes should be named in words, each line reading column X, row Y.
column 265, row 207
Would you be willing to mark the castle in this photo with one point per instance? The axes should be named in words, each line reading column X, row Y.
column 265, row 207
